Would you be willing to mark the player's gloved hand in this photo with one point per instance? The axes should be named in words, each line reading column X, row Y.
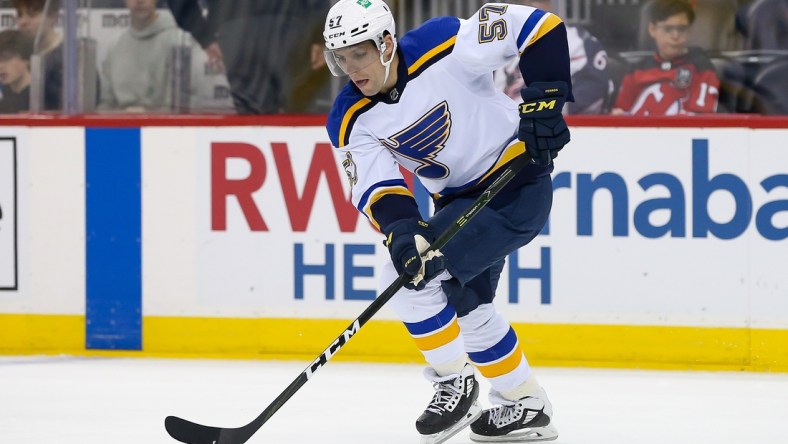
column 407, row 240
column 542, row 126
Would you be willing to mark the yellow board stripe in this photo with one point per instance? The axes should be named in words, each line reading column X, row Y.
column 348, row 116
column 563, row 345
column 31, row 333
column 378, row 195
column 439, row 339
column 430, row 54
column 503, row 366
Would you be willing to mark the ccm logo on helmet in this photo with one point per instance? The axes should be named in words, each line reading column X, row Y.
column 531, row 106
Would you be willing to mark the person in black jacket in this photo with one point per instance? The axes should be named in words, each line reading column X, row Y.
column 15, row 51
column 262, row 44
column 37, row 19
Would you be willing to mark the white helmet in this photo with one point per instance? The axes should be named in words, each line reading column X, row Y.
column 350, row 22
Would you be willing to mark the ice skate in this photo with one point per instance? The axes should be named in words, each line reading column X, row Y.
column 452, row 408
column 525, row 420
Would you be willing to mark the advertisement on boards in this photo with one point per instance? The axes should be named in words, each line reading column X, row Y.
column 9, row 273
column 277, row 232
column 675, row 226
column 669, row 226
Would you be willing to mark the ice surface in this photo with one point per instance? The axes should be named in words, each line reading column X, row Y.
column 64, row 400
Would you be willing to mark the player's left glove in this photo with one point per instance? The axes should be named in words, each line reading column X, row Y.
column 407, row 240
column 542, row 126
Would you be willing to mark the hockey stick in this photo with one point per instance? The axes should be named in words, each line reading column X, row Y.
column 192, row 433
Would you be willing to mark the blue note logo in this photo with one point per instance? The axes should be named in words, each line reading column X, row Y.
column 423, row 140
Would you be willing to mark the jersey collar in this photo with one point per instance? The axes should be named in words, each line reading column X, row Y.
column 395, row 94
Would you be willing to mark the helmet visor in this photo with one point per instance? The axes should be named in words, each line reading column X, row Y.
column 346, row 61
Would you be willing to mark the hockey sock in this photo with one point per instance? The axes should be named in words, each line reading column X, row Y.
column 452, row 367
column 528, row 388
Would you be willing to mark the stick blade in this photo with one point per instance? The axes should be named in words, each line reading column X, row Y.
column 191, row 433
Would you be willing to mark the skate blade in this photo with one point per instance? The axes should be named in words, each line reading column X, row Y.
column 535, row 434
column 437, row 438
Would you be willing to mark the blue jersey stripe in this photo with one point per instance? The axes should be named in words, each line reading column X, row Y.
column 452, row 190
column 497, row 351
column 434, row 32
column 529, row 26
column 113, row 311
column 362, row 203
column 431, row 324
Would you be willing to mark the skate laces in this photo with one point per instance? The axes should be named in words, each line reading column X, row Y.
column 444, row 393
column 505, row 414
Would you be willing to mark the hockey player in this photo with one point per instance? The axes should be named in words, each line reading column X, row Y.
column 427, row 102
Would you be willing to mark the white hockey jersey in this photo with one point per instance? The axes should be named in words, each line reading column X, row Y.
column 445, row 121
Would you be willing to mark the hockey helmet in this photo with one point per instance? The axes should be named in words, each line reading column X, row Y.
column 350, row 22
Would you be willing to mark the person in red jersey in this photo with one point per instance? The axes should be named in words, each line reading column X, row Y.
column 676, row 79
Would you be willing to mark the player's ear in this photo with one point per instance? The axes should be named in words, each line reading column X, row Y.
column 389, row 41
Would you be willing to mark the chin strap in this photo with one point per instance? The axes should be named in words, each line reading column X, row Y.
column 387, row 63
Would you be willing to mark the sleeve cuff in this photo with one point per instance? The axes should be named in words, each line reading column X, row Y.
column 394, row 207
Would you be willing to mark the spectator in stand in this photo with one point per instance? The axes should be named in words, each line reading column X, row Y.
column 37, row 19
column 15, row 51
column 765, row 24
column 312, row 90
column 255, row 41
column 136, row 73
column 591, row 83
column 676, row 79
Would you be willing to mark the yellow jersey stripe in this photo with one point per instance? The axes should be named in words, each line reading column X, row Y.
column 510, row 153
column 379, row 195
column 343, row 128
column 550, row 22
column 503, row 366
column 430, row 54
column 440, row 338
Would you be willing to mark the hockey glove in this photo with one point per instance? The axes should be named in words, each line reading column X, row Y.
column 407, row 239
column 542, row 126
